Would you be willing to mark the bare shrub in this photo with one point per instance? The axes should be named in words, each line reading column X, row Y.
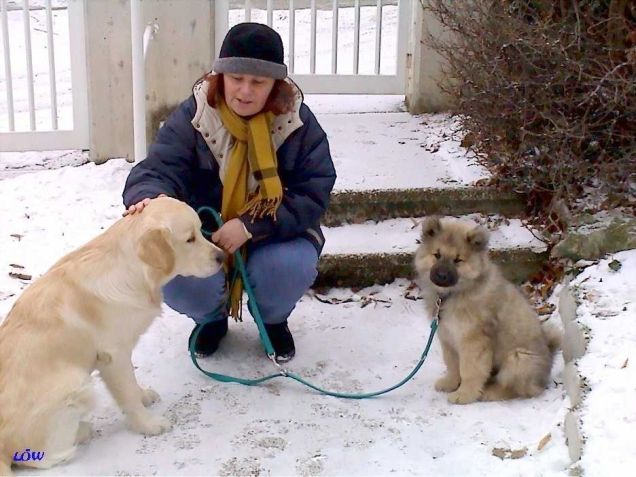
column 546, row 90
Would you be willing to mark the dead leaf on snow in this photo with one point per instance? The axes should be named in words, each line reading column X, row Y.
column 20, row 276
column 332, row 301
column 509, row 453
column 519, row 453
column 412, row 292
column 544, row 441
column 625, row 363
column 363, row 300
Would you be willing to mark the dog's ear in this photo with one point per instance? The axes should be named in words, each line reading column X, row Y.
column 478, row 238
column 431, row 226
column 155, row 250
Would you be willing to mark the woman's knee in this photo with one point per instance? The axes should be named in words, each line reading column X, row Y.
column 280, row 274
column 285, row 265
column 195, row 297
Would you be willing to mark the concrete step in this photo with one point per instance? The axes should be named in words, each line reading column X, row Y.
column 356, row 207
column 394, row 150
column 359, row 255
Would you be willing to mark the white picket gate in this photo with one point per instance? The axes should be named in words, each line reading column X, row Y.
column 332, row 46
column 43, row 103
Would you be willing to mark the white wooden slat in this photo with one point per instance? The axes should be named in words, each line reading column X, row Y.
column 270, row 12
column 6, row 47
column 29, row 63
column 138, row 79
column 79, row 74
column 51, row 53
column 312, row 45
column 404, row 11
column 334, row 38
column 248, row 10
column 221, row 24
column 292, row 35
column 356, row 38
column 378, row 37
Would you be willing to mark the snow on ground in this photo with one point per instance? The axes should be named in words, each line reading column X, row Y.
column 606, row 292
column 51, row 207
column 360, row 103
column 51, row 204
column 367, row 149
column 16, row 163
column 280, row 428
column 284, row 429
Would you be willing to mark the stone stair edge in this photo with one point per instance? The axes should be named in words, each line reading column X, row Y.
column 366, row 269
column 356, row 206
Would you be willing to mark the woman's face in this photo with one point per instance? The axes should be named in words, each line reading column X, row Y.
column 246, row 95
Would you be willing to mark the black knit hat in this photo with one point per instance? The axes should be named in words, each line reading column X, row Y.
column 252, row 49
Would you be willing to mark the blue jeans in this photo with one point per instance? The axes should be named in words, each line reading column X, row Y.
column 280, row 273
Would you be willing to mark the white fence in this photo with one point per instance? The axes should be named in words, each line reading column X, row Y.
column 332, row 46
column 43, row 90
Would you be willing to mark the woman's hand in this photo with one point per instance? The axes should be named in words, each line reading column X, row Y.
column 231, row 235
column 139, row 206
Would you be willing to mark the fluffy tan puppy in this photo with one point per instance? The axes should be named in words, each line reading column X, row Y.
column 493, row 344
column 87, row 312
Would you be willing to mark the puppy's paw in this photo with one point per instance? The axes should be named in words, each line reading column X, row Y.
column 150, row 425
column 447, row 384
column 149, row 396
column 463, row 396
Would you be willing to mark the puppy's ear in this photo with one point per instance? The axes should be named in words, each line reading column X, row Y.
column 431, row 226
column 155, row 250
column 478, row 238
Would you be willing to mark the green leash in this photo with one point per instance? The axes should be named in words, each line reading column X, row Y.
column 269, row 349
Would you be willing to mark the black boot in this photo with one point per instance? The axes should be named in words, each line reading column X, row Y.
column 209, row 337
column 282, row 341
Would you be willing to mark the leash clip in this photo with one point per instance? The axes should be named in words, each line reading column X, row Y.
column 438, row 307
column 281, row 370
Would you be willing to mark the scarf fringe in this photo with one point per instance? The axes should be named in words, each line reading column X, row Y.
column 236, row 300
column 257, row 208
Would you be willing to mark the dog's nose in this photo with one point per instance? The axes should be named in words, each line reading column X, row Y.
column 443, row 276
column 218, row 256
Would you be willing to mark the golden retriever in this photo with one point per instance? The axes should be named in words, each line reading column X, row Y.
column 87, row 312
column 493, row 343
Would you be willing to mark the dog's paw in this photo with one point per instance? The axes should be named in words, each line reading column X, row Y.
column 446, row 384
column 462, row 396
column 150, row 425
column 149, row 396
column 84, row 432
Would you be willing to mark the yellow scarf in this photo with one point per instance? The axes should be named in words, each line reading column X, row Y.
column 253, row 152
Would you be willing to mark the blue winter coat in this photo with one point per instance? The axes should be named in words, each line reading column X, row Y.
column 185, row 159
